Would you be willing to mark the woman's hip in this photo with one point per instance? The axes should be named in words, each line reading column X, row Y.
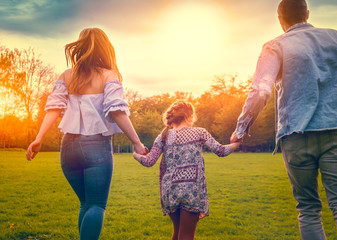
column 80, row 151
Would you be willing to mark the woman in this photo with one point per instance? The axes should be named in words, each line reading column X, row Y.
column 90, row 95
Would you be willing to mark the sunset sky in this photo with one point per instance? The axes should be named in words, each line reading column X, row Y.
column 161, row 45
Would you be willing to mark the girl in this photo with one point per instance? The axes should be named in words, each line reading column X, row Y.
column 91, row 96
column 182, row 172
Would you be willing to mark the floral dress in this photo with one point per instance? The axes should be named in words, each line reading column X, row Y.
column 182, row 169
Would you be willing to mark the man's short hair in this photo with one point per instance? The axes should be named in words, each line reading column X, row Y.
column 293, row 11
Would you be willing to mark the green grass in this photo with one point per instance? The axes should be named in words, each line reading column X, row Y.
column 250, row 198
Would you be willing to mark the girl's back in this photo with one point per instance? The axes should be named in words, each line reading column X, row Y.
column 182, row 168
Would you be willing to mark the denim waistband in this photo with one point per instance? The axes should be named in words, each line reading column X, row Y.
column 70, row 136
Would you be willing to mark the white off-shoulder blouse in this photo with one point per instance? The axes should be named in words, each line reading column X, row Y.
column 88, row 114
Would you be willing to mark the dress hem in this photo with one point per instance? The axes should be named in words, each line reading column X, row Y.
column 188, row 209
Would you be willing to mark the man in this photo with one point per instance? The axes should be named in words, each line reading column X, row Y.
column 302, row 64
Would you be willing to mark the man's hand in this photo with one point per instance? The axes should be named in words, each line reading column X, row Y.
column 235, row 139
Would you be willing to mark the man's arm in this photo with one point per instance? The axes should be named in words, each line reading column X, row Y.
column 267, row 71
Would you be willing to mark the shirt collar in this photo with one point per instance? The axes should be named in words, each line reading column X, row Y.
column 299, row 25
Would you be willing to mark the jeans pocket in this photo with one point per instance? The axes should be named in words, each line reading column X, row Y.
column 294, row 149
column 65, row 151
column 64, row 154
column 94, row 151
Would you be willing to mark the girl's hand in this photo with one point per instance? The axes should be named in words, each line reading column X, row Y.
column 33, row 149
column 236, row 145
column 136, row 156
column 233, row 146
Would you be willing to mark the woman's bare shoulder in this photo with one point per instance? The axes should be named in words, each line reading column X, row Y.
column 109, row 75
column 65, row 76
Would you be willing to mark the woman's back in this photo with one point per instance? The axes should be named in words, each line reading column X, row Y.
column 97, row 83
column 88, row 113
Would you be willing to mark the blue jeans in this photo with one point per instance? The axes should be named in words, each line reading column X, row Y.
column 87, row 164
column 304, row 155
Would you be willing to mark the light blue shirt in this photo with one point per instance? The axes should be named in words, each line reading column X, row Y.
column 88, row 114
column 302, row 64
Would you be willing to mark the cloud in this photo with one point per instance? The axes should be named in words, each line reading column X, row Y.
column 38, row 17
column 315, row 3
column 59, row 17
column 54, row 17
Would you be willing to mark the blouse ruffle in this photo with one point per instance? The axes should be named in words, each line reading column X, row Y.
column 114, row 99
column 59, row 97
column 88, row 114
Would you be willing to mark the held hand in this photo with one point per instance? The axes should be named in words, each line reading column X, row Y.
column 141, row 149
column 136, row 156
column 234, row 138
column 33, row 149
column 235, row 145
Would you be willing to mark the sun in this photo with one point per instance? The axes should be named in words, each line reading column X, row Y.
column 192, row 32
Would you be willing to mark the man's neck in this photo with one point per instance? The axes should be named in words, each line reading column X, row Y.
column 286, row 26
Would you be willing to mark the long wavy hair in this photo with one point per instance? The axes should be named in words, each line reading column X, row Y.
column 178, row 112
column 92, row 52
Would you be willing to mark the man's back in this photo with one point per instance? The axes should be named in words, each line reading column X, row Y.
column 307, row 84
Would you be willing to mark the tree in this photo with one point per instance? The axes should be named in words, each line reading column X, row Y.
column 150, row 126
column 219, row 108
column 12, row 133
column 27, row 78
column 9, row 102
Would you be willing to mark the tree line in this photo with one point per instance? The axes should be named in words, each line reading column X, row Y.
column 26, row 83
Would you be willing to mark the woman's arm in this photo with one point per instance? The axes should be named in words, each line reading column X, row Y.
column 47, row 123
column 126, row 126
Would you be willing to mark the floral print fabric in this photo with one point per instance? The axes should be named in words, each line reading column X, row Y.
column 182, row 169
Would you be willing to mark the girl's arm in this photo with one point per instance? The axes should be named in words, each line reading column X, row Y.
column 124, row 123
column 48, row 121
column 152, row 157
column 217, row 148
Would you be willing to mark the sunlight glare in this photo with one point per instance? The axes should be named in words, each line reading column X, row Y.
column 193, row 33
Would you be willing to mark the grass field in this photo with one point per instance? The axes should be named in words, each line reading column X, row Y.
column 249, row 193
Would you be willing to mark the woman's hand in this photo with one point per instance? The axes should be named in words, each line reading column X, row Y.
column 48, row 121
column 141, row 149
column 33, row 149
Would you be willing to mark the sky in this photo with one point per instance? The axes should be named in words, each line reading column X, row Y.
column 161, row 45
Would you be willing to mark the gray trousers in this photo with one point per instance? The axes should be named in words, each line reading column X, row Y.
column 305, row 154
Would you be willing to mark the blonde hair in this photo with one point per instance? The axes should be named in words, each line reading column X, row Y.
column 91, row 52
column 178, row 112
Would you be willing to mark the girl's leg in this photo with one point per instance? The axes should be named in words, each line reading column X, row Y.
column 175, row 217
column 188, row 225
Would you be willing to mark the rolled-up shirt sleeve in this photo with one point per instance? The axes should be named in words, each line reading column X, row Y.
column 114, row 99
column 58, row 98
column 267, row 71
